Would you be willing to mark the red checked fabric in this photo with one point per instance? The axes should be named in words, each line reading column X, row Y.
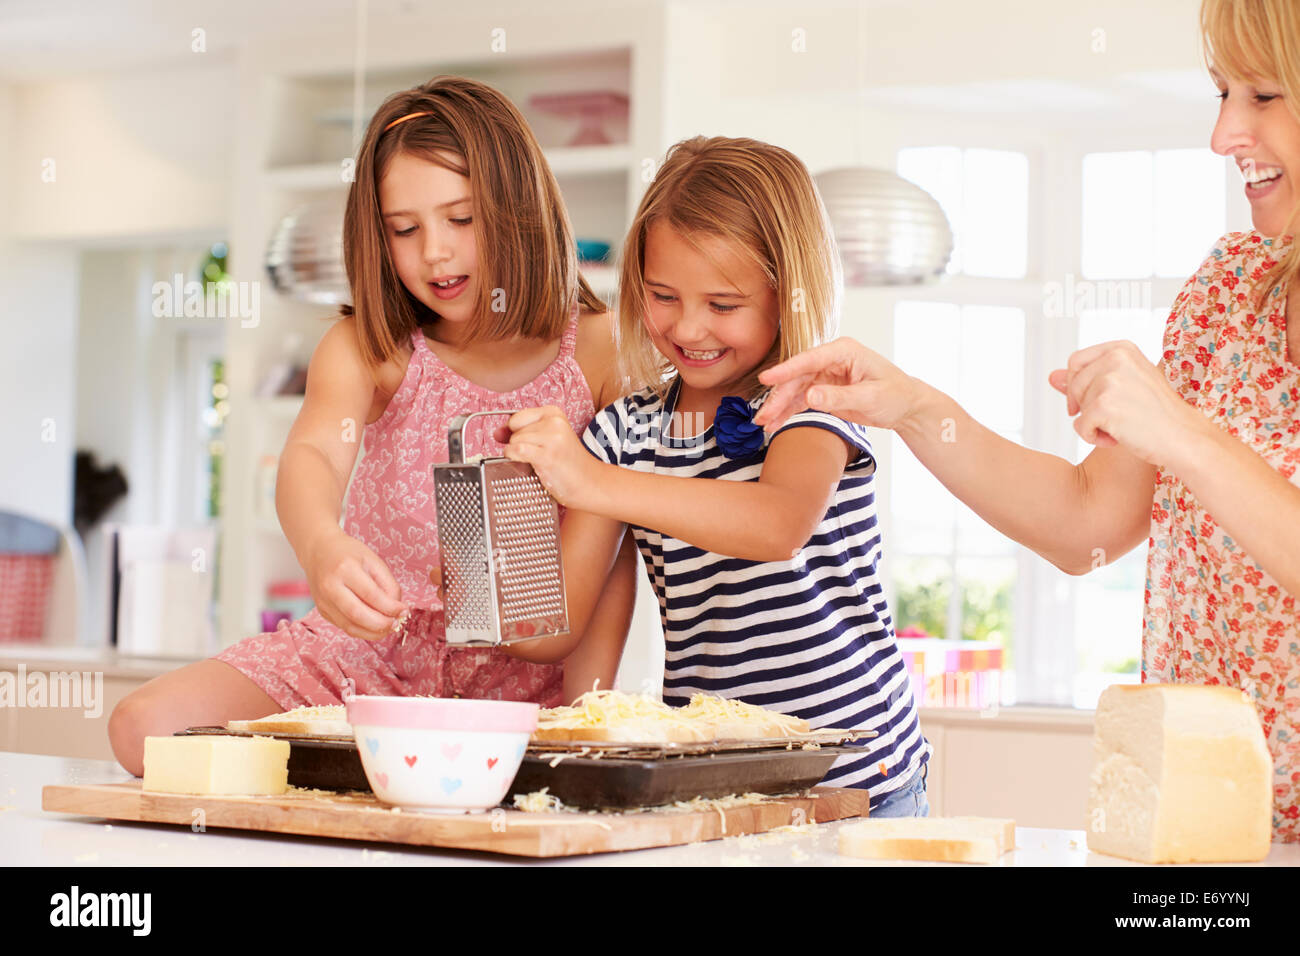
column 390, row 508
column 25, row 582
column 1213, row 616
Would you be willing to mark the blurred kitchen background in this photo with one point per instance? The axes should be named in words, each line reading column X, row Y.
column 1067, row 145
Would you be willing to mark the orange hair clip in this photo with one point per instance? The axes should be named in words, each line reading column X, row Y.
column 403, row 119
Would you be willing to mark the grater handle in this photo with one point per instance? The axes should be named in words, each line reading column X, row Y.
column 455, row 434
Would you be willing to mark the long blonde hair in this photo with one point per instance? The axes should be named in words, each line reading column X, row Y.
column 525, row 242
column 1250, row 39
column 759, row 198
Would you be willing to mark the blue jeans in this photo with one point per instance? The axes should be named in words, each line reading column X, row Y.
column 907, row 801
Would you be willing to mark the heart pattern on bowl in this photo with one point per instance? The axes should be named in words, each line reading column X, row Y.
column 410, row 761
column 491, row 762
column 451, row 751
column 450, row 785
column 373, row 744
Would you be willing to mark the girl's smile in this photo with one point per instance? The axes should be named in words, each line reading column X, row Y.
column 710, row 311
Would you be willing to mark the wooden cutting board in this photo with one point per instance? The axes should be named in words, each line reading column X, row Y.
column 361, row 817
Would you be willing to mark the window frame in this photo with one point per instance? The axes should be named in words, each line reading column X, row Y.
column 1045, row 599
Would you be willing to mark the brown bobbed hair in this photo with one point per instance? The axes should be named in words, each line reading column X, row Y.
column 761, row 200
column 525, row 242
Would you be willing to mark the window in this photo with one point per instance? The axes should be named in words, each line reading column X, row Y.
column 985, row 195
column 1147, row 219
column 1108, row 601
column 954, row 575
column 1151, row 213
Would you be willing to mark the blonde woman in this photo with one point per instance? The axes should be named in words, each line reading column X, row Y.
column 1199, row 454
column 763, row 554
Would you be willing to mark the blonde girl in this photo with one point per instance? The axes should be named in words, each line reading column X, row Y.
column 763, row 552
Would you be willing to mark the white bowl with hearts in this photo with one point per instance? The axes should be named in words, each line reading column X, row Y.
column 438, row 754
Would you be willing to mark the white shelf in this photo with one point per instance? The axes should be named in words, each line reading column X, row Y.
column 614, row 159
column 602, row 278
column 310, row 176
column 573, row 160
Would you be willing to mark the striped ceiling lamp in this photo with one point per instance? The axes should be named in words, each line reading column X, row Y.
column 305, row 255
column 889, row 231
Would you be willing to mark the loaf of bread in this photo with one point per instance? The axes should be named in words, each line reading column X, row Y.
column 936, row 839
column 1181, row 774
column 328, row 721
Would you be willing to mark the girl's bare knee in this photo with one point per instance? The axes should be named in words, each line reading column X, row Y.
column 130, row 722
column 208, row 692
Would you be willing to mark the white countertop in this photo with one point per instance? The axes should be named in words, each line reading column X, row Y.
column 32, row 837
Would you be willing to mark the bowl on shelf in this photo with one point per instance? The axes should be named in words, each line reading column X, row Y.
column 591, row 250
column 440, row 755
column 591, row 108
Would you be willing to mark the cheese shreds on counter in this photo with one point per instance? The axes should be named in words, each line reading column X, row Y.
column 209, row 764
column 615, row 716
column 1181, row 774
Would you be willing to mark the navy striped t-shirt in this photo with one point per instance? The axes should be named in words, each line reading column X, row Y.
column 811, row 635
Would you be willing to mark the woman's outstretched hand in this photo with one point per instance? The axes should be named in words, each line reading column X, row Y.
column 843, row 377
column 1120, row 398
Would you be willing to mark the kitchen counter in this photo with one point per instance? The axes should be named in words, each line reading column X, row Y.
column 108, row 661
column 32, row 837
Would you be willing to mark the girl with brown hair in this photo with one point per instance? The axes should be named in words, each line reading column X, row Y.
column 466, row 296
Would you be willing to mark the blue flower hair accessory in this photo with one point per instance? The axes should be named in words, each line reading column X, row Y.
column 734, row 428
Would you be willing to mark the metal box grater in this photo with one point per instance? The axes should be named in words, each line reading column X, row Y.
column 499, row 541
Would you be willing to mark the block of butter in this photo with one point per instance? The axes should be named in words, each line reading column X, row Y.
column 210, row 764
column 1181, row 774
column 936, row 839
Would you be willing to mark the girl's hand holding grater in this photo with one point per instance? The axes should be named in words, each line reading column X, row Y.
column 543, row 438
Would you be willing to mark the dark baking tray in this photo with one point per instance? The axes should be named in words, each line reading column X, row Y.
column 620, row 783
column 322, row 763
column 589, row 782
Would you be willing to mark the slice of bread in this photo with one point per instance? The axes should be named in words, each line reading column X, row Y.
column 328, row 721
column 936, row 839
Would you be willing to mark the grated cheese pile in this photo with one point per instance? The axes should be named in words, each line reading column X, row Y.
column 726, row 713
column 539, row 801
column 641, row 718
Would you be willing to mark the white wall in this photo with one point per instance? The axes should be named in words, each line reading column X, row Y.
column 144, row 153
column 127, row 401
column 37, row 357
column 38, row 347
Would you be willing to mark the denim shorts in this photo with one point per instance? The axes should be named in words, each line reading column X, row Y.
column 907, row 801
